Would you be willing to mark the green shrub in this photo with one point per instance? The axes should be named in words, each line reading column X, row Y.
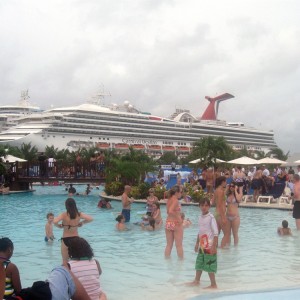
column 135, row 192
column 195, row 192
column 114, row 188
column 159, row 192
column 144, row 190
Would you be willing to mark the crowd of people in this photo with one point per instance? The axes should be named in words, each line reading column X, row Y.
column 78, row 277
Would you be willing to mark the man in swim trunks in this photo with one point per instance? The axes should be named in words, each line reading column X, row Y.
column 296, row 209
column 257, row 183
column 126, row 203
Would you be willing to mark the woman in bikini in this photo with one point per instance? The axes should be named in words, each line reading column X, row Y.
column 70, row 221
column 173, row 228
column 234, row 197
column 220, row 214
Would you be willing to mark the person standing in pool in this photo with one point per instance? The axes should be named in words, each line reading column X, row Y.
column 206, row 245
column 173, row 228
column 49, row 236
column 220, row 214
column 126, row 203
column 296, row 209
column 70, row 221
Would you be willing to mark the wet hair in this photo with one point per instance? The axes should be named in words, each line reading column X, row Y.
column 78, row 247
column 50, row 214
column 285, row 224
column 119, row 218
column 173, row 190
column 72, row 208
column 5, row 244
column 219, row 180
column 157, row 204
column 151, row 190
column 204, row 201
column 152, row 222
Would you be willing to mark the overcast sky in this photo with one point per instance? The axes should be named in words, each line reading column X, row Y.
column 159, row 55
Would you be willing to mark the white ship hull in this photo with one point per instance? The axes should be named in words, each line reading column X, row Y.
column 90, row 125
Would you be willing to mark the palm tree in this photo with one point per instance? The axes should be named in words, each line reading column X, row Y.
column 50, row 151
column 259, row 154
column 279, row 154
column 167, row 158
column 209, row 148
column 28, row 152
column 244, row 152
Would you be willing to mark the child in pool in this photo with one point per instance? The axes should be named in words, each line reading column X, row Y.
column 150, row 226
column 284, row 230
column 49, row 236
column 206, row 245
column 121, row 223
column 185, row 222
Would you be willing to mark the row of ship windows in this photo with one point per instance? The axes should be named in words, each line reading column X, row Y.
column 164, row 133
column 130, row 122
column 102, row 138
column 230, row 139
column 146, row 130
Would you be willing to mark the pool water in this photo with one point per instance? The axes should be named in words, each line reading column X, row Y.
column 133, row 261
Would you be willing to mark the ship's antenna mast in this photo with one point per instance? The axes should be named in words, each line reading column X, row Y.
column 98, row 99
column 24, row 98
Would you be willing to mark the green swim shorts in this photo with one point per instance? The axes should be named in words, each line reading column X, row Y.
column 206, row 262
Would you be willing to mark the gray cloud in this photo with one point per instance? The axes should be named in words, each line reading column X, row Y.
column 159, row 55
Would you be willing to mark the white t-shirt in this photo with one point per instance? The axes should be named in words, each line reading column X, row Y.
column 266, row 172
column 208, row 229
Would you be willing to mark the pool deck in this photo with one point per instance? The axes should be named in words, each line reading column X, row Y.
column 281, row 206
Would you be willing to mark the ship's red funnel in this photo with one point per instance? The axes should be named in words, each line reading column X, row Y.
column 211, row 111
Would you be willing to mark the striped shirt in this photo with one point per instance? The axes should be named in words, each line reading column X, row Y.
column 88, row 274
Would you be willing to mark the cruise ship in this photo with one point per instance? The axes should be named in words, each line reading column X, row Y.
column 10, row 114
column 119, row 127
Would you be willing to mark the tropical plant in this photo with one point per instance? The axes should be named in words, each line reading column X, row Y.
column 208, row 149
column 130, row 168
column 114, row 188
column 167, row 158
column 160, row 192
column 28, row 152
column 244, row 152
column 135, row 192
column 279, row 154
column 50, row 151
column 259, row 154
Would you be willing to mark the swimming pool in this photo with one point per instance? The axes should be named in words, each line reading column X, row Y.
column 133, row 262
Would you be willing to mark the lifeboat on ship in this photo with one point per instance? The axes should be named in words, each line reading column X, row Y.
column 138, row 147
column 103, row 145
column 168, row 148
column 121, row 146
column 154, row 147
column 183, row 149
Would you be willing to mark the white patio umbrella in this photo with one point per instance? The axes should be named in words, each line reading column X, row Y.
column 297, row 161
column 11, row 158
column 243, row 161
column 271, row 161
